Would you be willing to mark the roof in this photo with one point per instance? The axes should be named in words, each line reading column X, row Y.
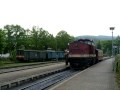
column 90, row 40
column 85, row 40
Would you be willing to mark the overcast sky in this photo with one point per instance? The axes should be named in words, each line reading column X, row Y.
column 77, row 17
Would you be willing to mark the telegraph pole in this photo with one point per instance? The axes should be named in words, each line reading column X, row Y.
column 112, row 28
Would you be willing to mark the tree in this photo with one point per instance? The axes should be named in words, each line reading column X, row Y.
column 41, row 39
column 106, row 46
column 15, row 36
column 62, row 40
column 26, row 40
column 2, row 41
column 35, row 37
column 51, row 42
column 98, row 44
column 117, row 45
column 44, row 36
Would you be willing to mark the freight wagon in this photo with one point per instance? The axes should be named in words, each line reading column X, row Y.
column 37, row 55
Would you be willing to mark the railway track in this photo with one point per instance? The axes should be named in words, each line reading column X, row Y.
column 25, row 67
column 14, row 69
column 47, row 82
column 14, row 79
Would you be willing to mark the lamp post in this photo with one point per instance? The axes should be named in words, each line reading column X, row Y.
column 112, row 28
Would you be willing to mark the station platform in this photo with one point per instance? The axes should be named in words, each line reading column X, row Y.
column 97, row 77
column 12, row 79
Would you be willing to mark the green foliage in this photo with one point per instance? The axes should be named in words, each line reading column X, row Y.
column 35, row 39
column 116, row 66
column 13, row 55
column 117, row 63
column 15, row 37
column 106, row 46
column 2, row 41
column 62, row 40
column 5, row 61
column 41, row 39
column 117, row 45
column 98, row 45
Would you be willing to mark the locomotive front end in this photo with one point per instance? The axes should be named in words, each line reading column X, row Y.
column 81, row 53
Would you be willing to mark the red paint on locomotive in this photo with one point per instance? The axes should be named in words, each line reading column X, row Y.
column 82, row 47
column 81, row 52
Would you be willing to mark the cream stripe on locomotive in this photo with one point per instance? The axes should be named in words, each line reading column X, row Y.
column 84, row 55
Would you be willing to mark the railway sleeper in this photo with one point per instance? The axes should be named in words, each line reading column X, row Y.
column 12, row 84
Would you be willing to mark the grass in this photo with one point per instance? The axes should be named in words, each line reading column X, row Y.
column 118, row 80
column 117, row 69
column 5, row 61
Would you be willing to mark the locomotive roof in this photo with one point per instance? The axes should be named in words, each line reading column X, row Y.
column 85, row 40
column 82, row 40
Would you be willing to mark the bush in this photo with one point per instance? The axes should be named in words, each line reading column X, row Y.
column 117, row 70
column 13, row 55
column 5, row 61
column 117, row 64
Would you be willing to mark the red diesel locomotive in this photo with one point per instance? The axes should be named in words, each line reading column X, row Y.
column 83, row 53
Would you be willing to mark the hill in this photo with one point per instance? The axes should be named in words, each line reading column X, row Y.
column 100, row 37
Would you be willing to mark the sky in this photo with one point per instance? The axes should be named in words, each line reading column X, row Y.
column 76, row 17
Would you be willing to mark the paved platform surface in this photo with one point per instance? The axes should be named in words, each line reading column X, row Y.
column 97, row 77
column 10, row 77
